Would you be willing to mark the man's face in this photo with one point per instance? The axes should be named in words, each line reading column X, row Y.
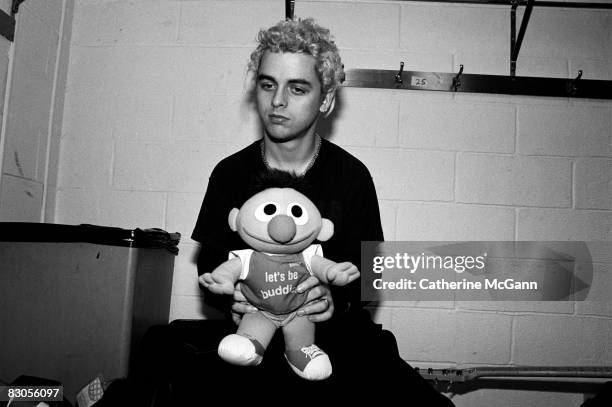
column 288, row 94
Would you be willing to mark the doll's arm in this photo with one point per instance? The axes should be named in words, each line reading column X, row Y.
column 223, row 279
column 334, row 273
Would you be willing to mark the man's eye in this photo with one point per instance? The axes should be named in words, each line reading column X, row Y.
column 299, row 91
column 266, row 85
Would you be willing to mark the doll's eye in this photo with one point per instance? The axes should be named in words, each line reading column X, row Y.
column 266, row 211
column 298, row 213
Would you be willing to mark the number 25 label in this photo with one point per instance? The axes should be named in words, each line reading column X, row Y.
column 418, row 81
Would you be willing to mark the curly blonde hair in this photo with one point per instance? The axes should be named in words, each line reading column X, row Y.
column 302, row 36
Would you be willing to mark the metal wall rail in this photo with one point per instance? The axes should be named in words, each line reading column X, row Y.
column 472, row 83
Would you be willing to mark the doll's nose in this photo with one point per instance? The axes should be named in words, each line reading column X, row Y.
column 282, row 228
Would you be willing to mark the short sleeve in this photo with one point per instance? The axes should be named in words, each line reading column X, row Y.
column 312, row 250
column 245, row 257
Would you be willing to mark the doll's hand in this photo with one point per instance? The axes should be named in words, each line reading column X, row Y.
column 342, row 273
column 240, row 306
column 319, row 304
column 215, row 284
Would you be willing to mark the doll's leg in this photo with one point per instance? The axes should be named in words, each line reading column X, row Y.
column 305, row 358
column 246, row 347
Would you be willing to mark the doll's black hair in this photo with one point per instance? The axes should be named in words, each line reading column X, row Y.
column 273, row 178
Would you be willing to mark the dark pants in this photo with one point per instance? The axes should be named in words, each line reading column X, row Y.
column 178, row 365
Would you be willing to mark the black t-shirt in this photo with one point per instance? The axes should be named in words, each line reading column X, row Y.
column 338, row 184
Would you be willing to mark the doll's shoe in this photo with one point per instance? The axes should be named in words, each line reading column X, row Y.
column 310, row 363
column 240, row 350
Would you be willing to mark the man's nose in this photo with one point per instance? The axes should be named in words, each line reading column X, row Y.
column 280, row 97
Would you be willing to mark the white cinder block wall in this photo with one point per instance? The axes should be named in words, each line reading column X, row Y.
column 155, row 98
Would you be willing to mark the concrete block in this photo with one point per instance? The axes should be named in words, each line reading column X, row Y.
column 454, row 29
column 541, row 67
column 352, row 24
column 21, row 199
column 390, row 59
column 598, row 69
column 549, row 307
column 429, row 304
column 561, row 340
column 76, row 206
column 569, row 131
column 185, row 277
column 124, row 209
column 123, row 22
column 92, row 69
column 559, row 224
column 182, row 212
column 208, row 23
column 447, row 336
column 409, row 175
column 132, row 209
column 483, row 64
column 152, row 166
column 453, row 222
column 430, row 124
column 212, row 71
column 143, row 71
column 365, row 117
column 513, row 180
column 145, row 115
column 565, row 33
column 388, row 217
column 214, row 118
column 85, row 163
column 593, row 183
column 598, row 301
column 83, row 119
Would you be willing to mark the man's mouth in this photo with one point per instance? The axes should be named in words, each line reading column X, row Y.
column 277, row 118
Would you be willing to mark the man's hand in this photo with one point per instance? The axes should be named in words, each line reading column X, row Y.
column 342, row 273
column 319, row 305
column 240, row 306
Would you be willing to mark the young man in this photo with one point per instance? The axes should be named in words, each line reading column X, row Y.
column 297, row 69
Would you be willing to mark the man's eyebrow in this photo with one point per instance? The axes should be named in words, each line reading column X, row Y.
column 300, row 82
column 263, row 77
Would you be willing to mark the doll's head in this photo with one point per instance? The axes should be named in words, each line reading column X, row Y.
column 280, row 221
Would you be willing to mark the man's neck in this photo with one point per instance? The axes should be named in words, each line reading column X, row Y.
column 292, row 155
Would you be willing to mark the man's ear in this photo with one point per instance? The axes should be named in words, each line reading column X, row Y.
column 231, row 219
column 327, row 230
column 328, row 103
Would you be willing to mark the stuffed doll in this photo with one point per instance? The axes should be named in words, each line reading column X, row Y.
column 280, row 225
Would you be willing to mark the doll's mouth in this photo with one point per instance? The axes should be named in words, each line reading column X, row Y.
column 308, row 236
